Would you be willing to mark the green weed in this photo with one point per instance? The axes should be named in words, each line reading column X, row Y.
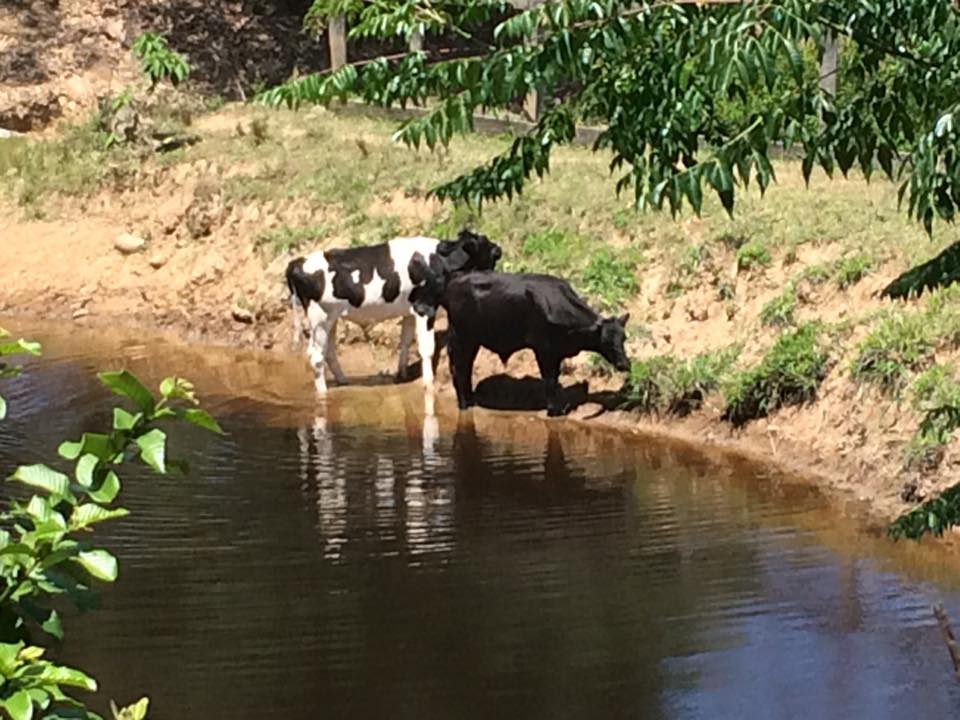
column 778, row 312
column 789, row 374
column 936, row 396
column 609, row 279
column 752, row 255
column 665, row 384
column 899, row 344
column 851, row 270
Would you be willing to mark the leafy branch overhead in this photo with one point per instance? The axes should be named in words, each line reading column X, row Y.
column 690, row 96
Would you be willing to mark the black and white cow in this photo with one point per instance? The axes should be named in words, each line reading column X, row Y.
column 370, row 284
column 507, row 312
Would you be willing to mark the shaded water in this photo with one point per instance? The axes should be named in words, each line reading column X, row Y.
column 352, row 560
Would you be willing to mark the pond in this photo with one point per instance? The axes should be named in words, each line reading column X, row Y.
column 356, row 559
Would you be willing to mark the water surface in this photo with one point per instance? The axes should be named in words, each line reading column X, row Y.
column 351, row 560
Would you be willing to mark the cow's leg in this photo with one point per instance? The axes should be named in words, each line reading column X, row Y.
column 407, row 328
column 462, row 354
column 332, row 360
column 425, row 346
column 320, row 322
column 550, row 372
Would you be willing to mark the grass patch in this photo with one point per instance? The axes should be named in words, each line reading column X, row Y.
column 851, row 270
column 665, row 384
column 778, row 312
column 789, row 374
column 285, row 239
column 605, row 275
column 610, row 279
column 900, row 344
column 752, row 255
column 77, row 163
column 936, row 396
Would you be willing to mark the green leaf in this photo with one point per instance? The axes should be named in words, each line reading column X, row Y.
column 153, row 449
column 19, row 706
column 125, row 384
column 91, row 513
column 85, row 469
column 99, row 563
column 43, row 477
column 8, row 657
column 59, row 675
column 136, row 711
column 122, row 420
column 94, row 443
column 108, row 489
column 201, row 418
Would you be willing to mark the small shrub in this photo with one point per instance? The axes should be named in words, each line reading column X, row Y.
column 752, row 255
column 779, row 311
column 609, row 279
column 936, row 396
column 158, row 62
column 852, row 270
column 665, row 384
column 789, row 374
column 901, row 343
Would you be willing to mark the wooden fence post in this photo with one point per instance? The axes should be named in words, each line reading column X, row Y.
column 416, row 41
column 828, row 65
column 337, row 40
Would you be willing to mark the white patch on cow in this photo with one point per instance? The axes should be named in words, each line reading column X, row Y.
column 355, row 276
column 315, row 261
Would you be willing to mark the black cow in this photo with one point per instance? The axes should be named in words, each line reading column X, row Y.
column 507, row 312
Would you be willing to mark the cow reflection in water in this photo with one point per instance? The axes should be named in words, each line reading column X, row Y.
column 379, row 494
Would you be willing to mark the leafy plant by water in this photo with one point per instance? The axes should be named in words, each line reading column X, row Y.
column 789, row 374
column 936, row 396
column 932, row 517
column 46, row 552
column 665, row 384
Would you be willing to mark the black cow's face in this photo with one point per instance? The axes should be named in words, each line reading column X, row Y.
column 613, row 336
column 483, row 252
column 470, row 251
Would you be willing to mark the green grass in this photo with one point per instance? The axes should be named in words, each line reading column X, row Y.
column 753, row 255
column 789, row 374
column 936, row 396
column 778, row 312
column 285, row 239
column 610, row 279
column 851, row 270
column 669, row 385
column 899, row 344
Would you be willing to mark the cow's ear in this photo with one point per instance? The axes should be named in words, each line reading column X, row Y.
column 623, row 319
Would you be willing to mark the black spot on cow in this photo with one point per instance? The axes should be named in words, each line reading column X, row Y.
column 303, row 285
column 353, row 269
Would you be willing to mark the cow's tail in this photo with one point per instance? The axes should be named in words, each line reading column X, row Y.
column 292, row 269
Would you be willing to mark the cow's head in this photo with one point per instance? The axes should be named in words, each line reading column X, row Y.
column 613, row 335
column 470, row 251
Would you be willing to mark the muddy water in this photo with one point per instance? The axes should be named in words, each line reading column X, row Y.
column 360, row 559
